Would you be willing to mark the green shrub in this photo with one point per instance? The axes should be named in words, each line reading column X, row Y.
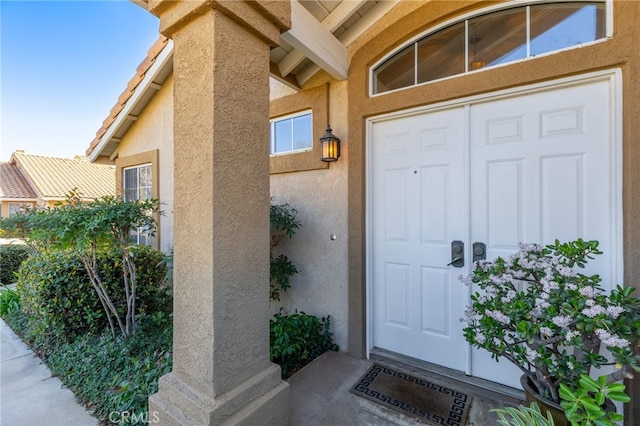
column 283, row 224
column 151, row 268
column 11, row 257
column 298, row 339
column 9, row 301
column 61, row 301
column 283, row 220
column 114, row 374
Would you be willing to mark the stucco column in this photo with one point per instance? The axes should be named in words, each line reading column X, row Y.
column 221, row 369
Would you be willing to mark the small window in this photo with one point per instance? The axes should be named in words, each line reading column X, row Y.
column 14, row 208
column 292, row 134
column 137, row 185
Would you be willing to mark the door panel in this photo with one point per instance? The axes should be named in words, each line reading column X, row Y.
column 417, row 210
column 548, row 177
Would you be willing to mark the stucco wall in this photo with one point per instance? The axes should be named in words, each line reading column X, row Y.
column 154, row 130
column 320, row 197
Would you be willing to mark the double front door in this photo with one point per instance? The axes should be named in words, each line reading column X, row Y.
column 534, row 167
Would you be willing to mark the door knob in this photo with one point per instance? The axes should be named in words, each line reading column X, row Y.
column 457, row 254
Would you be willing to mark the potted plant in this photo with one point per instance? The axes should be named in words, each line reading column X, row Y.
column 538, row 311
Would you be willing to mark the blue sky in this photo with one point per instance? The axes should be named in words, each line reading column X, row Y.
column 63, row 65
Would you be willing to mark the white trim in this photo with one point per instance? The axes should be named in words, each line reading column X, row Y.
column 613, row 76
column 608, row 18
column 293, row 151
column 575, row 80
column 528, row 31
column 494, row 8
column 616, row 118
column 466, row 50
column 136, row 166
column 368, row 233
column 164, row 59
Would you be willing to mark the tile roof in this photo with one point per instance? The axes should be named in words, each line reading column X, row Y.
column 142, row 69
column 13, row 184
column 54, row 178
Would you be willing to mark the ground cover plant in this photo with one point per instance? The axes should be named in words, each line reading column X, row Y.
column 9, row 301
column 115, row 375
column 112, row 376
column 298, row 339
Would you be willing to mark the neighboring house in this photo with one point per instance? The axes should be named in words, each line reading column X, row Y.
column 15, row 191
column 36, row 180
column 485, row 123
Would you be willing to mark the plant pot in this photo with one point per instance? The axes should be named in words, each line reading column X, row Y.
column 532, row 395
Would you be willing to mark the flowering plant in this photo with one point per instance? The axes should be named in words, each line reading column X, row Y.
column 536, row 310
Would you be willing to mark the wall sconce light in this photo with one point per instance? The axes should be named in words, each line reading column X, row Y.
column 329, row 143
column 329, row 146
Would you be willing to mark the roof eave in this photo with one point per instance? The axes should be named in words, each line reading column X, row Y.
column 142, row 3
column 162, row 65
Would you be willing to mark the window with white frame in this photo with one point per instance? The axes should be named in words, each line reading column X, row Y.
column 137, row 185
column 293, row 133
column 490, row 39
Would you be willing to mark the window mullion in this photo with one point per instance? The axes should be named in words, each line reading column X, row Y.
column 528, row 31
column 415, row 63
column 292, row 133
column 466, row 46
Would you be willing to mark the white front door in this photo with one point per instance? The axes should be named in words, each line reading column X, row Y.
column 526, row 168
column 418, row 209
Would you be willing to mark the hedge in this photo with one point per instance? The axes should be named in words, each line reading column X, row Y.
column 11, row 257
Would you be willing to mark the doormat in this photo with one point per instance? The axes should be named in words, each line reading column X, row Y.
column 414, row 397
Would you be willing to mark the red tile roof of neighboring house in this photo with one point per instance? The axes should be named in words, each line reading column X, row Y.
column 142, row 69
column 13, row 185
column 54, row 178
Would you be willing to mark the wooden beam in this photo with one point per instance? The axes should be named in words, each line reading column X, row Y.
column 331, row 23
column 315, row 42
column 289, row 81
column 355, row 31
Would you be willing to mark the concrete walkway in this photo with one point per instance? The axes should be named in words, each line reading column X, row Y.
column 29, row 395
column 320, row 394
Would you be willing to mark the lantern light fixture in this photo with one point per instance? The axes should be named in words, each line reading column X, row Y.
column 329, row 146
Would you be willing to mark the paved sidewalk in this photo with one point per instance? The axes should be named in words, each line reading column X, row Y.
column 29, row 395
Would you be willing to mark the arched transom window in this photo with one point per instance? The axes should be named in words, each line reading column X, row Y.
column 490, row 39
